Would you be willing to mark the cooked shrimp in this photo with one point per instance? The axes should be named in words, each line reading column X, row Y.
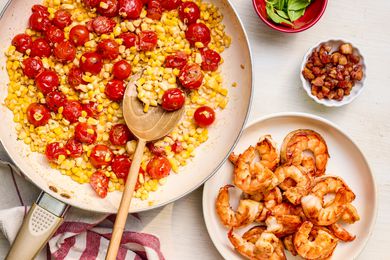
column 330, row 184
column 321, row 246
column 289, row 244
column 283, row 225
column 268, row 152
column 341, row 233
column 297, row 142
column 301, row 179
column 284, row 208
column 272, row 198
column 247, row 210
column 253, row 234
column 266, row 247
column 251, row 176
column 350, row 214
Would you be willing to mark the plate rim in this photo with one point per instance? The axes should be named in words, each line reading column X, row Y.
column 261, row 119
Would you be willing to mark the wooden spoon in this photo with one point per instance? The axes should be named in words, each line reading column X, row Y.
column 153, row 125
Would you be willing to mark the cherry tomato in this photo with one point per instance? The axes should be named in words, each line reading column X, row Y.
column 85, row 133
column 72, row 110
column 121, row 165
column 38, row 114
column 177, row 147
column 115, row 89
column 74, row 148
column 108, row 8
column 55, row 100
column 102, row 25
column 170, row 4
column 22, row 42
column 91, row 3
column 75, row 77
column 210, row 60
column 130, row 9
column 198, row 32
column 91, row 109
column 108, row 49
column 100, row 156
column 129, row 39
column 32, row 67
column 91, row 62
column 54, row 150
column 158, row 167
column 62, row 19
column 47, row 81
column 155, row 150
column 121, row 70
column 38, row 22
column 54, row 34
column 154, row 10
column 147, row 40
column 99, row 183
column 191, row 76
column 41, row 48
column 120, row 134
column 65, row 51
column 178, row 60
column 204, row 116
column 173, row 99
column 40, row 9
column 189, row 12
column 79, row 35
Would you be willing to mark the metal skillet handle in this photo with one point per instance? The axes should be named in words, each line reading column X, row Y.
column 42, row 220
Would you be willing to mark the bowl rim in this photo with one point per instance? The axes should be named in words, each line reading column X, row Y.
column 326, row 102
column 287, row 29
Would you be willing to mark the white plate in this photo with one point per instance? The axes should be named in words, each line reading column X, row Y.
column 346, row 161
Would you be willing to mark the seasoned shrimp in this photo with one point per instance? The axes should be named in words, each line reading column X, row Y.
column 297, row 142
column 266, row 247
column 253, row 234
column 289, row 244
column 247, row 210
column 341, row 233
column 320, row 246
column 283, row 225
column 350, row 214
column 329, row 184
column 301, row 179
column 286, row 208
column 268, row 152
column 251, row 176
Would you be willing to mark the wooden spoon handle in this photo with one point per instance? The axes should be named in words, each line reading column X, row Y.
column 125, row 202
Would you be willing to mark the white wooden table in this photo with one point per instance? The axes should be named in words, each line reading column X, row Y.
column 277, row 58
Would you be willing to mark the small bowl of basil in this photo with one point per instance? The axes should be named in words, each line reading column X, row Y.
column 290, row 16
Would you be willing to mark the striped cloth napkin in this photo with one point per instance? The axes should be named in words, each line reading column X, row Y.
column 83, row 235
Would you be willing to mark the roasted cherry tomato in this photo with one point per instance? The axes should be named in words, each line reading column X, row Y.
column 129, row 39
column 101, row 156
column 38, row 22
column 115, row 89
column 173, row 99
column 198, row 32
column 75, row 77
column 79, row 35
column 178, row 60
column 22, row 42
column 38, row 114
column 85, row 133
column 54, row 34
column 130, row 9
column 170, row 4
column 41, row 48
column 74, row 148
column 91, row 62
column 189, row 12
column 154, row 10
column 210, row 60
column 91, row 3
column 40, row 9
column 158, row 167
column 177, row 147
column 108, row 49
column 108, row 8
column 121, row 165
column 72, row 110
column 204, row 116
column 32, row 67
column 191, row 76
column 120, row 134
column 155, row 150
column 102, row 25
column 121, row 70
column 147, row 40
column 47, row 81
column 55, row 100
column 99, row 183
column 54, row 150
column 65, row 51
column 92, row 109
column 62, row 19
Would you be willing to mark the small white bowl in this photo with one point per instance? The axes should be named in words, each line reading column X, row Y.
column 357, row 88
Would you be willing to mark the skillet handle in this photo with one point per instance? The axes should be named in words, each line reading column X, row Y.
column 38, row 226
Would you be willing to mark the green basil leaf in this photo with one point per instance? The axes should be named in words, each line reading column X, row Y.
column 297, row 5
column 295, row 15
column 282, row 14
column 274, row 17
